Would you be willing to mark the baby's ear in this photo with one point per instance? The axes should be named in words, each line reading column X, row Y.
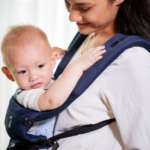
column 7, row 73
column 53, row 60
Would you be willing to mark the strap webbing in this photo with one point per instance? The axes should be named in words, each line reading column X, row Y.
column 73, row 132
column 83, row 129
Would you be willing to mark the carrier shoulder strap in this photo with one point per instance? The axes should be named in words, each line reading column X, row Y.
column 74, row 45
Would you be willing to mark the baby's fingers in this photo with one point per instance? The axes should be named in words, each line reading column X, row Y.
column 97, row 54
column 97, row 58
column 95, row 50
column 60, row 56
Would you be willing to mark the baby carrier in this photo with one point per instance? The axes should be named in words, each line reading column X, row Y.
column 18, row 119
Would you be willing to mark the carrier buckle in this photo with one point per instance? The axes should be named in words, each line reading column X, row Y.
column 13, row 144
column 28, row 122
column 50, row 143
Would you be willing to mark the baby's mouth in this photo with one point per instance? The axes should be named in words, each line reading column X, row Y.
column 37, row 85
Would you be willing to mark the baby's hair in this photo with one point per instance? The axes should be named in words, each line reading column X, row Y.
column 19, row 36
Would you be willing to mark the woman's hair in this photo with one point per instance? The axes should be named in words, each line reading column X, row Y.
column 133, row 18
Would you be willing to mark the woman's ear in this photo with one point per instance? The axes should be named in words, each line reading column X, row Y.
column 119, row 2
column 7, row 73
column 53, row 60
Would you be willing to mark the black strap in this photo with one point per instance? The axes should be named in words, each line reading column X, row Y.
column 73, row 132
column 17, row 145
column 83, row 129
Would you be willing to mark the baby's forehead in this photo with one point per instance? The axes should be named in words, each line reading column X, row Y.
column 20, row 58
column 34, row 48
column 20, row 37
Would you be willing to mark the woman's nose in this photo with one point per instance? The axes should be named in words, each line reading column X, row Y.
column 75, row 16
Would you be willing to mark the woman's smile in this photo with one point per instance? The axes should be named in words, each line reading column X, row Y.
column 82, row 25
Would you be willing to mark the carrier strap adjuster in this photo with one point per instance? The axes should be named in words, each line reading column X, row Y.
column 52, row 142
column 28, row 122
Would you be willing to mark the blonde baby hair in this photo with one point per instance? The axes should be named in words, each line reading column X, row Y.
column 18, row 37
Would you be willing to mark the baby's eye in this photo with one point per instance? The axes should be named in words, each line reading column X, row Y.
column 22, row 72
column 41, row 66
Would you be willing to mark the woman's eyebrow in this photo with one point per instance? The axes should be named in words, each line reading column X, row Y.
column 82, row 3
column 78, row 3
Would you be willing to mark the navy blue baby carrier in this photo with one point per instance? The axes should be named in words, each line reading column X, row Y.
column 19, row 119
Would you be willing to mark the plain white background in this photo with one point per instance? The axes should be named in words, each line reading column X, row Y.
column 49, row 15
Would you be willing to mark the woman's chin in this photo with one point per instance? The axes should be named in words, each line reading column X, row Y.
column 85, row 31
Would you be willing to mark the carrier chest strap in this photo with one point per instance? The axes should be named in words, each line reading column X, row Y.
column 73, row 132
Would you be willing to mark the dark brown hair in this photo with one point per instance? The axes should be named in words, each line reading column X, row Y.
column 133, row 18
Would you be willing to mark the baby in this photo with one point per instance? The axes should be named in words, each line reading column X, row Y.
column 30, row 61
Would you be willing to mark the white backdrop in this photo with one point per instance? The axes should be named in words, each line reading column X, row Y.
column 49, row 15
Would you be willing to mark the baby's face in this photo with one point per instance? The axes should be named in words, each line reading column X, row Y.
column 31, row 66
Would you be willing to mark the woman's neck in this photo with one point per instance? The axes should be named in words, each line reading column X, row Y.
column 105, row 34
column 98, row 38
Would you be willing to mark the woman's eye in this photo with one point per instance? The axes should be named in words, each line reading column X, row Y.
column 22, row 72
column 84, row 10
column 40, row 66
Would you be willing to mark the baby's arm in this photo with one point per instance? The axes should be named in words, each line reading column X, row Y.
column 60, row 90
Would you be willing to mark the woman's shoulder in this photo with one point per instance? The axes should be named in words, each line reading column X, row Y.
column 134, row 51
column 134, row 55
column 131, row 70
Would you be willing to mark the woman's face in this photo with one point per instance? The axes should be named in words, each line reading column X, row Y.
column 93, row 15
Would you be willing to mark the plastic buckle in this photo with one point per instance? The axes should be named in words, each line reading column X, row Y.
column 49, row 143
column 52, row 142
column 28, row 122
column 13, row 144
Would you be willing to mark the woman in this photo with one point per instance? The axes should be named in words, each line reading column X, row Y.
column 122, row 90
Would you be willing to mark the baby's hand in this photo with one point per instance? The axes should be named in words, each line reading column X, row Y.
column 60, row 52
column 90, row 57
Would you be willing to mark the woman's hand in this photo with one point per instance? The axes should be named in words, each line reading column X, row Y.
column 60, row 52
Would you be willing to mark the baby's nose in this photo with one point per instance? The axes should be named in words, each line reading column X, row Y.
column 33, row 77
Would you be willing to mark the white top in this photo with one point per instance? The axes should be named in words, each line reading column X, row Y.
column 29, row 98
column 121, row 91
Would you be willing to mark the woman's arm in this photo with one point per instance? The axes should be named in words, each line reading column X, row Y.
column 128, row 92
column 60, row 90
